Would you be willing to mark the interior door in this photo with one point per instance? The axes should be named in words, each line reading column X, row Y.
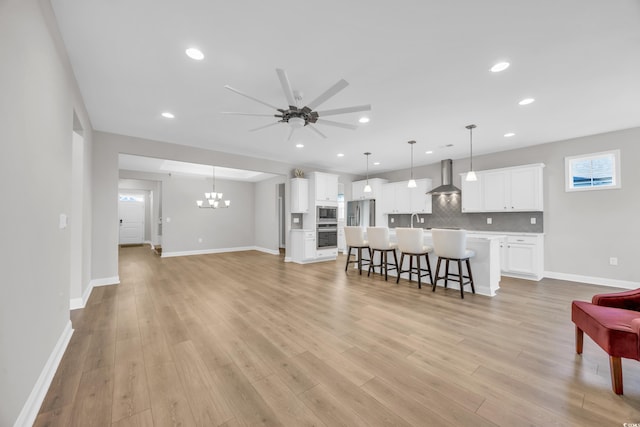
column 131, row 212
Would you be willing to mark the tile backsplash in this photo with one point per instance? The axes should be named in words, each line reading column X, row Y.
column 446, row 213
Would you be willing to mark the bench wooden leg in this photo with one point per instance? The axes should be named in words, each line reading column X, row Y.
column 615, row 363
column 579, row 340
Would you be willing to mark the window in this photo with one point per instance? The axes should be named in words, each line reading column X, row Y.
column 596, row 171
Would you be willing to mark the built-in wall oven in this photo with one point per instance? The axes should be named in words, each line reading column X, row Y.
column 327, row 214
column 327, row 236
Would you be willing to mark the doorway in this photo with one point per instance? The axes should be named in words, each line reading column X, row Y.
column 131, row 210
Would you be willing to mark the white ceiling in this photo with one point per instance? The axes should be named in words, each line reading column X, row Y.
column 163, row 166
column 423, row 65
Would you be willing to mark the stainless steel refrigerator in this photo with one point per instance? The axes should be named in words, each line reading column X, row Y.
column 361, row 213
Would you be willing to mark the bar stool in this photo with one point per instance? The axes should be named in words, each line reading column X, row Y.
column 354, row 237
column 411, row 243
column 378, row 238
column 450, row 245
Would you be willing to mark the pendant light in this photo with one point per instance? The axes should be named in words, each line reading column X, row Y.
column 214, row 199
column 412, row 182
column 471, row 175
column 367, row 188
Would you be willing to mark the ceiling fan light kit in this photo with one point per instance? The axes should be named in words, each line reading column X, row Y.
column 298, row 117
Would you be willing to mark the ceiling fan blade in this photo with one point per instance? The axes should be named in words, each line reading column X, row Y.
column 337, row 124
column 232, row 113
column 265, row 126
column 310, row 126
column 286, row 87
column 345, row 110
column 250, row 97
column 333, row 90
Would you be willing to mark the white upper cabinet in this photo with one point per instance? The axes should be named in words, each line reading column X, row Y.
column 299, row 195
column 516, row 189
column 420, row 200
column 472, row 194
column 357, row 189
column 325, row 187
column 398, row 198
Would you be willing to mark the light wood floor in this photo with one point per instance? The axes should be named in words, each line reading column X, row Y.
column 246, row 339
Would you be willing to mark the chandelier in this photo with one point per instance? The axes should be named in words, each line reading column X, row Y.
column 214, row 199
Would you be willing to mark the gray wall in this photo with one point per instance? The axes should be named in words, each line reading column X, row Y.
column 218, row 228
column 39, row 96
column 582, row 229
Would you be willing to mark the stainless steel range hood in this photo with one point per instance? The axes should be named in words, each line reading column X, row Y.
column 446, row 173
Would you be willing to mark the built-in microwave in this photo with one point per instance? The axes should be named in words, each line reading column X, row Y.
column 327, row 214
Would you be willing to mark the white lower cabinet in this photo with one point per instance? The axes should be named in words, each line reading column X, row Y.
column 522, row 256
column 303, row 245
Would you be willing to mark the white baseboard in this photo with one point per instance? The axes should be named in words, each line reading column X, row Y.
column 31, row 407
column 105, row 281
column 603, row 281
column 287, row 259
column 80, row 302
column 267, row 251
column 218, row 251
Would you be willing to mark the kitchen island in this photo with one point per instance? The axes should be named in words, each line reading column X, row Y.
column 485, row 265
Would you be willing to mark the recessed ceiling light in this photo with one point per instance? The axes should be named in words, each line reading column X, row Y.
column 509, row 135
column 364, row 119
column 376, row 163
column 168, row 115
column 340, row 154
column 428, row 152
column 526, row 101
column 299, row 145
column 500, row 66
column 194, row 53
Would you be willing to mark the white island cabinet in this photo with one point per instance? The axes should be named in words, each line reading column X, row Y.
column 485, row 265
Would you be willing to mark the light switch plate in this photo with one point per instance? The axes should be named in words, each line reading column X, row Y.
column 421, row 220
column 489, row 220
column 533, row 220
column 63, row 221
column 393, row 220
column 296, row 220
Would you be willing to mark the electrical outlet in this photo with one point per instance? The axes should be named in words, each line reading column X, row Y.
column 533, row 220
column 489, row 220
column 393, row 220
column 613, row 261
column 421, row 220
column 296, row 220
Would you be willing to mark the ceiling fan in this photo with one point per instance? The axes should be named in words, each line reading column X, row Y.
column 298, row 116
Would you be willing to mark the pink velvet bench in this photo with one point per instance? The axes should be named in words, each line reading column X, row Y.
column 613, row 322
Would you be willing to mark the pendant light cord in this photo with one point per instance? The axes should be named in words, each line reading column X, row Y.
column 367, row 154
column 471, row 128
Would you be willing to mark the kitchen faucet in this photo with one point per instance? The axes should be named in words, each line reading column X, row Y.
column 416, row 215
